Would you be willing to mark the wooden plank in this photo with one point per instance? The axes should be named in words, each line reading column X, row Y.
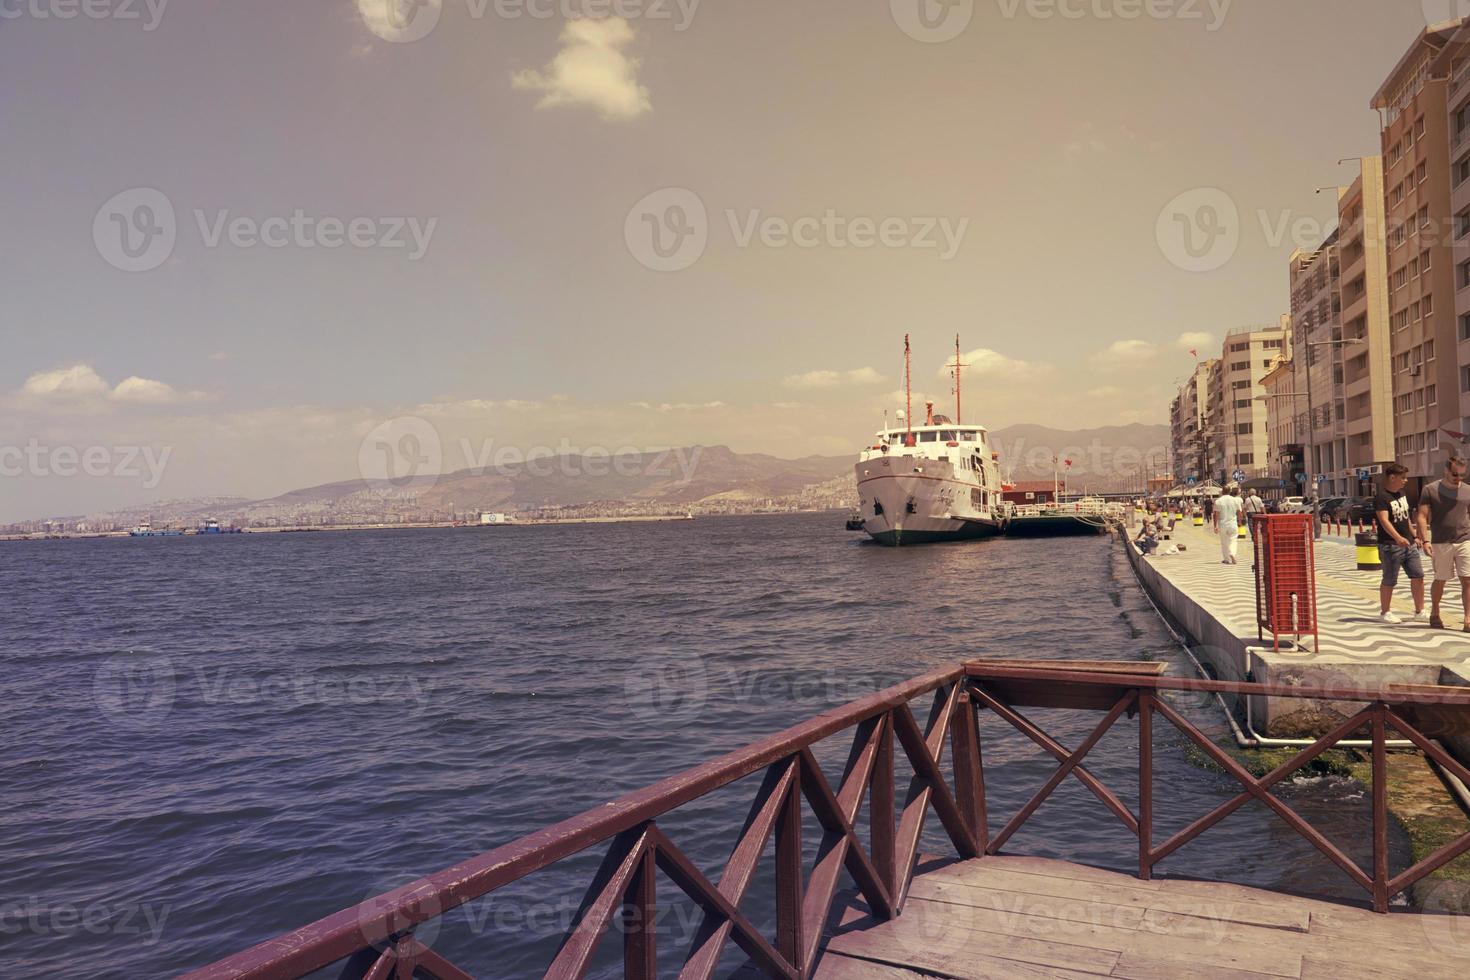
column 964, row 955
column 1151, row 955
column 835, row 966
column 1145, row 667
column 1056, row 868
column 1126, row 891
column 1067, row 909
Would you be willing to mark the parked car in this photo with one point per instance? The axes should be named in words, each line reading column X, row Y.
column 1352, row 510
column 1293, row 505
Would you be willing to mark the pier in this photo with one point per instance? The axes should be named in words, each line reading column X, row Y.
column 872, row 904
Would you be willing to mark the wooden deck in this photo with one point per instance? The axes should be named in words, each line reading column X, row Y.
column 1021, row 917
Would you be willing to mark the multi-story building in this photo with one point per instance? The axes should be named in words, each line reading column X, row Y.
column 1413, row 103
column 1454, row 61
column 1317, row 392
column 1237, row 417
column 1188, row 423
column 1283, row 429
column 1366, row 355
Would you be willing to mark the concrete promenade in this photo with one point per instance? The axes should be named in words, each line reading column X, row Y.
column 1215, row 603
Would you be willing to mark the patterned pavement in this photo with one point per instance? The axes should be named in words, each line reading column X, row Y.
column 1347, row 602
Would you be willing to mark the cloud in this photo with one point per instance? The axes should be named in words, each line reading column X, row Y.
column 1202, row 342
column 81, row 383
column 986, row 363
column 1106, row 391
column 1125, row 353
column 79, row 380
column 592, row 70
column 832, row 379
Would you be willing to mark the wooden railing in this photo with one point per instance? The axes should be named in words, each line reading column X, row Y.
column 376, row 939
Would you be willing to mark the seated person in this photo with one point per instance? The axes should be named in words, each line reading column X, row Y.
column 1147, row 541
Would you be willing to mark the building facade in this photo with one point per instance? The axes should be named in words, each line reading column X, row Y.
column 1414, row 107
column 1191, row 449
column 1238, row 421
column 1454, row 62
column 1366, row 356
column 1317, row 391
column 1283, row 432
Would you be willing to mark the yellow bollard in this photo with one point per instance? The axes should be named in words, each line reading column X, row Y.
column 1368, row 560
column 1240, row 531
column 1199, row 520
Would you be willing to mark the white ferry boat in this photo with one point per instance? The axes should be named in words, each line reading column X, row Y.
column 939, row 481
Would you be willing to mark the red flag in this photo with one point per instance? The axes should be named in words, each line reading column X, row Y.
column 1451, row 432
column 1068, row 462
column 1195, row 353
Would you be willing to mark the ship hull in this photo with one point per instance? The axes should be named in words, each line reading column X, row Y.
column 908, row 509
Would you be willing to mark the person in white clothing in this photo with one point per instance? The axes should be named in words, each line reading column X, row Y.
column 1227, row 522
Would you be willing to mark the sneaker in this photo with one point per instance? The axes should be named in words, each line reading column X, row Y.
column 1390, row 618
column 1422, row 616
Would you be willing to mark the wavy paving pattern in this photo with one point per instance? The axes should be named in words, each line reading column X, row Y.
column 1347, row 603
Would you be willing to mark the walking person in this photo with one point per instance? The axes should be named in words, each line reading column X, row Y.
column 1398, row 543
column 1444, row 526
column 1227, row 523
column 1252, row 504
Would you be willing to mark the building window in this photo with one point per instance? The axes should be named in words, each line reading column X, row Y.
column 1245, row 428
column 1430, row 398
column 1465, row 326
column 1424, row 264
column 1465, row 378
column 1462, row 224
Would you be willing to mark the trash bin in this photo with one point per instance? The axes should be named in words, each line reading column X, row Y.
column 1368, row 560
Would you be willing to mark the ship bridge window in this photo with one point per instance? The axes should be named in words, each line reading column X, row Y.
column 969, row 435
column 928, row 436
column 948, row 435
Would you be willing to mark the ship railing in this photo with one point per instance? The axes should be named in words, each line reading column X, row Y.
column 378, row 938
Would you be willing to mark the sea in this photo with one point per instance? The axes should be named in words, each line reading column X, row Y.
column 211, row 741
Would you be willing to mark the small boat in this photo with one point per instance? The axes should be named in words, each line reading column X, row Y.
column 1089, row 515
column 855, row 520
column 212, row 526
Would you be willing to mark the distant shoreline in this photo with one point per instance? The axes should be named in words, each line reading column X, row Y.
column 419, row 525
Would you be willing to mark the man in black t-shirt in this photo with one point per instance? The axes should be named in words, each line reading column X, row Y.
column 1398, row 544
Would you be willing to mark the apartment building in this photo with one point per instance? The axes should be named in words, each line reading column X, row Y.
column 1366, row 355
column 1414, row 109
column 1283, row 431
column 1454, row 63
column 1317, row 390
column 1237, row 418
column 1187, row 415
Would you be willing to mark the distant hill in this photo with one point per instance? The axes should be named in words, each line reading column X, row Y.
column 1109, row 458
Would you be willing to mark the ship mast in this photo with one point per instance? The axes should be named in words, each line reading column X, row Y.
column 908, row 396
column 957, row 367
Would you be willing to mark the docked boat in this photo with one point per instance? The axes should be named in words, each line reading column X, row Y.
column 212, row 526
column 1090, row 515
column 147, row 530
column 939, row 481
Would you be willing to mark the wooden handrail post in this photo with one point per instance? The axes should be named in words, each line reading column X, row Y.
column 640, row 922
column 1145, row 784
column 969, row 779
column 1380, row 808
column 884, row 842
column 790, row 892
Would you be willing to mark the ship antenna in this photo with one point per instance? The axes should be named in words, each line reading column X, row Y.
column 908, row 396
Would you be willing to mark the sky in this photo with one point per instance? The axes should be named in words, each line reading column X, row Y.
column 248, row 246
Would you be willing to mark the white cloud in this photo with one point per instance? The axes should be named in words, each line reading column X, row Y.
column 1202, row 342
column 79, row 380
column 1106, row 391
column 81, row 383
column 832, row 379
column 1124, row 353
column 986, row 363
column 592, row 70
